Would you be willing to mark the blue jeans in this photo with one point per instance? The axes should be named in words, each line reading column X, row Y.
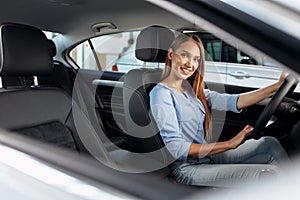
column 251, row 161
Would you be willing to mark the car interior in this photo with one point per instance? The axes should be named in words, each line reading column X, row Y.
column 105, row 115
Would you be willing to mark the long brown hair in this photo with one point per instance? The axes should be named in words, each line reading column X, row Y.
column 196, row 80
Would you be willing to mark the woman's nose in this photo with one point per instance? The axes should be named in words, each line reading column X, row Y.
column 189, row 62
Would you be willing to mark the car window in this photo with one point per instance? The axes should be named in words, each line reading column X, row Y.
column 83, row 56
column 219, row 51
column 116, row 52
column 113, row 52
column 213, row 50
column 225, row 64
column 50, row 35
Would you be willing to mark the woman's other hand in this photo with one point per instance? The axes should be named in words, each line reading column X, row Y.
column 240, row 137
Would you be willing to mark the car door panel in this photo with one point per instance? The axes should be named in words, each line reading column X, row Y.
column 228, row 124
column 235, row 122
column 106, row 88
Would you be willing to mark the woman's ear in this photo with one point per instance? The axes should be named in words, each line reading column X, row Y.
column 170, row 54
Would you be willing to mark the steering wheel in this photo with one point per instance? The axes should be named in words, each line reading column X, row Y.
column 288, row 84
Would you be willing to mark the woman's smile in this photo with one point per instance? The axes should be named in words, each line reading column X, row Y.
column 186, row 71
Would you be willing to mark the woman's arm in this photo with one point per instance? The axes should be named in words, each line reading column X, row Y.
column 250, row 98
column 201, row 150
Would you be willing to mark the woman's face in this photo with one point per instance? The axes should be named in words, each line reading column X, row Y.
column 185, row 60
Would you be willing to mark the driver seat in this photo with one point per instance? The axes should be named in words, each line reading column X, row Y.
column 144, row 138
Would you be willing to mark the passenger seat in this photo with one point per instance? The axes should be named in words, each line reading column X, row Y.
column 43, row 113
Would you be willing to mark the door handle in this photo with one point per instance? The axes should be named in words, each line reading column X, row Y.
column 239, row 74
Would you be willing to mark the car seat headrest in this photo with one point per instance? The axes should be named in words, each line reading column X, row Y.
column 24, row 51
column 52, row 48
column 153, row 43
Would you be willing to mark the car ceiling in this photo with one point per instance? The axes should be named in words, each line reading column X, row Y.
column 77, row 16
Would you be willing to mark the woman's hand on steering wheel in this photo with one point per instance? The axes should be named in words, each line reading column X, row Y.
column 287, row 84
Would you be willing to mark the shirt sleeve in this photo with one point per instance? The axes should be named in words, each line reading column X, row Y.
column 164, row 113
column 222, row 102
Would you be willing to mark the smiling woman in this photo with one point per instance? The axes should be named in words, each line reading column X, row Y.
column 87, row 104
column 181, row 108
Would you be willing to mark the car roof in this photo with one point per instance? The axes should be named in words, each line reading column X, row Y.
column 80, row 15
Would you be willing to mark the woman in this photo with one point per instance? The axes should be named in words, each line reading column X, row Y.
column 181, row 107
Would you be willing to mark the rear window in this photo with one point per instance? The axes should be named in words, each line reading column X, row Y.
column 113, row 52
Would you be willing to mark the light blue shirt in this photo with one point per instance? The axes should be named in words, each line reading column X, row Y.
column 180, row 116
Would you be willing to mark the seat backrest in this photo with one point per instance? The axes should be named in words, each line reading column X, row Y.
column 59, row 77
column 151, row 46
column 142, row 130
column 43, row 113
